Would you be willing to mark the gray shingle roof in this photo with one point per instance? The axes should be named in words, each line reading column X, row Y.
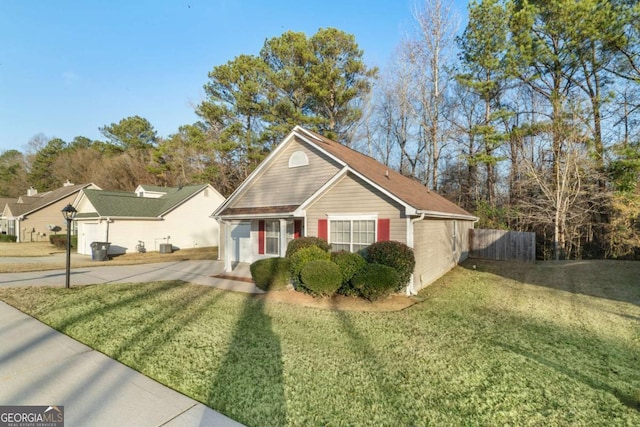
column 405, row 188
column 33, row 203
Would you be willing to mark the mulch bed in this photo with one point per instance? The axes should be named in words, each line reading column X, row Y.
column 337, row 302
column 231, row 277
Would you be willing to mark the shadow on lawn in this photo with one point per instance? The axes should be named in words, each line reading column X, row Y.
column 138, row 350
column 365, row 353
column 609, row 279
column 160, row 327
column 90, row 312
column 249, row 385
column 605, row 364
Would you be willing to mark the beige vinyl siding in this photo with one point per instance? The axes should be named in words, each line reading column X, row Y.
column 434, row 248
column 352, row 196
column 35, row 226
column 280, row 185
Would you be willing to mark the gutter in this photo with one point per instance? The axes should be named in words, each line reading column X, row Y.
column 434, row 214
column 252, row 216
column 133, row 218
column 410, row 290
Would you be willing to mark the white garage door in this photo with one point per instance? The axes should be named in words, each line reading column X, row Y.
column 241, row 242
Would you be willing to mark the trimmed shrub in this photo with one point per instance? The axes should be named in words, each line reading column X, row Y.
column 304, row 242
column 321, row 277
column 375, row 281
column 395, row 255
column 298, row 260
column 270, row 273
column 59, row 240
column 7, row 238
column 349, row 264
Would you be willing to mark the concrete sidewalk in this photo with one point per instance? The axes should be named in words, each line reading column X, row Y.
column 40, row 366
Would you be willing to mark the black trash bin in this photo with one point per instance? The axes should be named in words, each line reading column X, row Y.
column 100, row 251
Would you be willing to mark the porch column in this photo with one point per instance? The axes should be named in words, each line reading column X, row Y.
column 283, row 237
column 227, row 243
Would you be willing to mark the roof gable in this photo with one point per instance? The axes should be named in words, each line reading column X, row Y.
column 153, row 191
column 5, row 200
column 409, row 192
column 280, row 182
column 406, row 189
column 26, row 205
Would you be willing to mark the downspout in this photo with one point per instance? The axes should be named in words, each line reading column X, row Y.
column 475, row 221
column 107, row 231
column 410, row 287
column 18, row 237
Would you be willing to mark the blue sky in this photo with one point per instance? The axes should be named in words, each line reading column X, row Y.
column 70, row 67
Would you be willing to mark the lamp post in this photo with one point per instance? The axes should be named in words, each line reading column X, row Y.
column 69, row 214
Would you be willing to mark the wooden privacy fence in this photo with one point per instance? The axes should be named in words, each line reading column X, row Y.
column 502, row 245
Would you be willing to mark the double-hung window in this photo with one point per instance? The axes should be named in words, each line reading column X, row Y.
column 272, row 237
column 351, row 234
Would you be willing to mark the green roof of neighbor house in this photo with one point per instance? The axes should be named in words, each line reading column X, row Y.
column 127, row 204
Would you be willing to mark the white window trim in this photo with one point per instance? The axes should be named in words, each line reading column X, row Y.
column 353, row 217
column 278, row 237
column 348, row 217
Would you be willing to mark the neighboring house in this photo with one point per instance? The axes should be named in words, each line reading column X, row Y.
column 35, row 216
column 148, row 217
column 3, row 220
column 312, row 186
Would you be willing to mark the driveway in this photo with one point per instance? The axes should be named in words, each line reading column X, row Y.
column 199, row 272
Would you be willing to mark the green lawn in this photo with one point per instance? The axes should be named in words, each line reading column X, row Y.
column 483, row 348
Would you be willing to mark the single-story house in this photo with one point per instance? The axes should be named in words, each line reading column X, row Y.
column 147, row 218
column 35, row 216
column 312, row 186
column 3, row 221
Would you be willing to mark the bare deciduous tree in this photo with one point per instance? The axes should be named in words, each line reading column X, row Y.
column 433, row 55
column 558, row 177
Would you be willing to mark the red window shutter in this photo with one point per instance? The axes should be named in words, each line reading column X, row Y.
column 322, row 229
column 261, row 236
column 297, row 228
column 384, row 229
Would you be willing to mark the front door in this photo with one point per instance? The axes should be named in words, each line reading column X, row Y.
column 240, row 242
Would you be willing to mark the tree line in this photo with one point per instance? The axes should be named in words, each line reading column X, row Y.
column 527, row 117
